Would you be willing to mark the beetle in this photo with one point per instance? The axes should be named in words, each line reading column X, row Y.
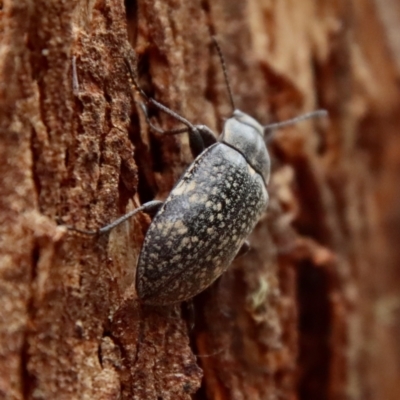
column 204, row 222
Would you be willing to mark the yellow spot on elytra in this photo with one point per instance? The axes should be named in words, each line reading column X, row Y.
column 176, row 258
column 191, row 186
column 179, row 190
column 180, row 227
column 183, row 230
column 194, row 198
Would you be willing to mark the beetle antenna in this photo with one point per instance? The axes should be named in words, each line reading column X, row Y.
column 222, row 59
column 292, row 121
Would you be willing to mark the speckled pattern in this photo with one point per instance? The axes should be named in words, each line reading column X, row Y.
column 201, row 226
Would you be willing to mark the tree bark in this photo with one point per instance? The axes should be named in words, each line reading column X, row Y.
column 311, row 312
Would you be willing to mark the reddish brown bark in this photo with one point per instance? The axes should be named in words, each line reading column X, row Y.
column 312, row 312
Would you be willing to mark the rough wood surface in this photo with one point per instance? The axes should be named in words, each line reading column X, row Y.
column 312, row 312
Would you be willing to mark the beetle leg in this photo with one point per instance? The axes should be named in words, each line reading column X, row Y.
column 175, row 131
column 243, row 250
column 189, row 314
column 75, row 81
column 196, row 142
column 146, row 207
column 207, row 135
column 200, row 136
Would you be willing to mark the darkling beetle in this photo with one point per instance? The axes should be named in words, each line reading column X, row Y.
column 204, row 222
